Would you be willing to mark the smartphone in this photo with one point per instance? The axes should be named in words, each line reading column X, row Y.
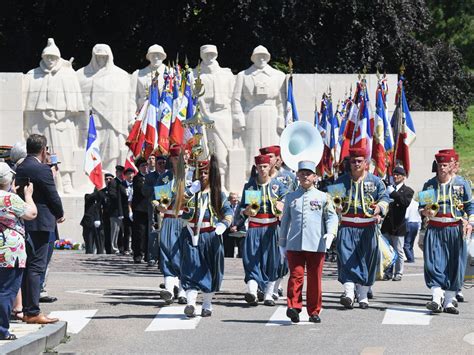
column 20, row 183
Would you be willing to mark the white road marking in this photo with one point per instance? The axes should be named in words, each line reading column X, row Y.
column 76, row 320
column 173, row 318
column 469, row 338
column 407, row 316
column 279, row 318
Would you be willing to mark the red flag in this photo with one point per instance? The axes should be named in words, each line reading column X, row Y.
column 136, row 137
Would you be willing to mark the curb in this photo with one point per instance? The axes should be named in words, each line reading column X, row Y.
column 35, row 343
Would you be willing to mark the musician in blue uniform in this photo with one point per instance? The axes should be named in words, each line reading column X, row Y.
column 455, row 162
column 444, row 245
column 309, row 219
column 209, row 214
column 284, row 176
column 260, row 254
column 288, row 179
column 171, row 227
column 365, row 201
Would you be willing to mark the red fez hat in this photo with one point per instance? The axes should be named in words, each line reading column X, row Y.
column 262, row 159
column 175, row 150
column 357, row 152
column 275, row 149
column 443, row 158
column 450, row 152
column 203, row 164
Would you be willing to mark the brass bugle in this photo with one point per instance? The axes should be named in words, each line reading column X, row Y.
column 337, row 200
column 254, row 207
column 434, row 207
column 162, row 202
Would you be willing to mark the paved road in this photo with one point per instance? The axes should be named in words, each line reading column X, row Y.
column 113, row 307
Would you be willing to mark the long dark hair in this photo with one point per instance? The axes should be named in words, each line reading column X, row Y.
column 215, row 187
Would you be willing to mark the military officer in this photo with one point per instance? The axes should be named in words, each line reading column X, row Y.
column 309, row 219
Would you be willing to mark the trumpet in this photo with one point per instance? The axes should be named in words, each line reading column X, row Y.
column 433, row 207
column 254, row 208
column 338, row 201
column 163, row 202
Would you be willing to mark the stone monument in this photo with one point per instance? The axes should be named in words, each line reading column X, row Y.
column 106, row 91
column 53, row 100
column 216, row 105
column 258, row 104
column 141, row 79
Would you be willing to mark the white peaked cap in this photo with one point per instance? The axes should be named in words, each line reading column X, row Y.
column 208, row 48
column 260, row 50
column 51, row 49
column 156, row 49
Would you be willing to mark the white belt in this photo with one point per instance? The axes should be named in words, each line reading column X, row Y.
column 443, row 219
column 203, row 225
column 171, row 213
column 263, row 220
column 357, row 219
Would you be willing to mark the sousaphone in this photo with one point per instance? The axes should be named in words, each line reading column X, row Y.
column 301, row 141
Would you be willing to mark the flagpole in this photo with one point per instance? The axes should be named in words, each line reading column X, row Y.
column 399, row 113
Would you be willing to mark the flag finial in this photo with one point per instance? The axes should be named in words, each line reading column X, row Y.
column 402, row 69
column 290, row 65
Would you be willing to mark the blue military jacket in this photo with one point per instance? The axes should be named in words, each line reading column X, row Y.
column 307, row 216
column 271, row 192
column 454, row 197
column 360, row 197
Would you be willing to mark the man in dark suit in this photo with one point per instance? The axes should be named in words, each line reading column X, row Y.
column 50, row 212
column 106, row 209
column 394, row 225
column 238, row 225
column 126, row 193
column 92, row 223
column 140, row 214
column 116, row 195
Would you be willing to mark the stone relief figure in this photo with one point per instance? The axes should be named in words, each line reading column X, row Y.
column 141, row 79
column 53, row 100
column 257, row 104
column 106, row 91
column 216, row 104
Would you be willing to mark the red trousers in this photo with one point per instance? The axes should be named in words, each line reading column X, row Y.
column 297, row 260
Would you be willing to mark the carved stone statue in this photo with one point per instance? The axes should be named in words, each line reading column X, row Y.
column 216, row 104
column 141, row 79
column 106, row 91
column 53, row 100
column 257, row 104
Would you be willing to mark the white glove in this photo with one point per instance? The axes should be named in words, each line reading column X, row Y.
column 120, row 218
column 97, row 224
column 220, row 228
column 130, row 216
column 328, row 238
column 195, row 187
column 390, row 189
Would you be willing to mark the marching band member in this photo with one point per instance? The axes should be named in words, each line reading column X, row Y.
column 276, row 172
column 260, row 254
column 289, row 180
column 455, row 162
column 444, row 246
column 308, row 219
column 357, row 248
column 202, row 251
column 170, row 231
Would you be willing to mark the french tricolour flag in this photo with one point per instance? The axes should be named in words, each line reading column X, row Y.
column 93, row 162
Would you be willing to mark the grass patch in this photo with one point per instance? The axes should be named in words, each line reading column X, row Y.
column 465, row 145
